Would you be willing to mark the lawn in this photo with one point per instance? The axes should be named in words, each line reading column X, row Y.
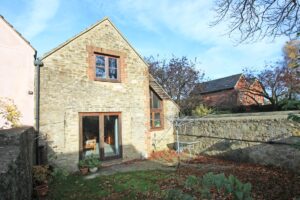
column 131, row 185
column 266, row 182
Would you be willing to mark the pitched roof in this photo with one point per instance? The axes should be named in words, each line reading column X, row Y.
column 220, row 84
column 158, row 88
column 87, row 30
column 18, row 33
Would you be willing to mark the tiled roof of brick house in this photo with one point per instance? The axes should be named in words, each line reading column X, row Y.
column 220, row 84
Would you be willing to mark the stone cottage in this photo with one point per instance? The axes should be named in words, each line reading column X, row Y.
column 97, row 97
column 229, row 92
column 16, row 74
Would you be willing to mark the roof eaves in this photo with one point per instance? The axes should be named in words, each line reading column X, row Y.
column 88, row 29
column 13, row 28
column 128, row 43
column 169, row 98
column 72, row 38
column 209, row 92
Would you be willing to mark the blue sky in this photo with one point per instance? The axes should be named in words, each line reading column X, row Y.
column 164, row 27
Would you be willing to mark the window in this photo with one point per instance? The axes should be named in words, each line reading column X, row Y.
column 105, row 64
column 100, row 135
column 106, row 68
column 156, row 111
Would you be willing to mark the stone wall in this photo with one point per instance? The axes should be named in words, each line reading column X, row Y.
column 17, row 155
column 264, row 138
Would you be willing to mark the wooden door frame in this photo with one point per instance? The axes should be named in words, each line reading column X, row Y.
column 101, row 136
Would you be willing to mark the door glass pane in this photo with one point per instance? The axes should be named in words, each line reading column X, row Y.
column 111, row 136
column 157, row 121
column 90, row 130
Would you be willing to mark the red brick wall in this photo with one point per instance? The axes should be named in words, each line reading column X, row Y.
column 248, row 98
column 234, row 97
column 222, row 99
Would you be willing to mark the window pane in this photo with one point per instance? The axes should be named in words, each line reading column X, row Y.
column 157, row 121
column 90, row 138
column 100, row 60
column 155, row 101
column 112, row 64
column 100, row 72
column 113, row 73
column 111, row 136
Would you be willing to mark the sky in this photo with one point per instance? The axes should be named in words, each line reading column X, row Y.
column 158, row 27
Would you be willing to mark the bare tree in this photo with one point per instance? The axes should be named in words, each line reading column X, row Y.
column 278, row 81
column 178, row 76
column 259, row 18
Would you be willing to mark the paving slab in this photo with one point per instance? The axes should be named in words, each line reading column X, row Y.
column 131, row 167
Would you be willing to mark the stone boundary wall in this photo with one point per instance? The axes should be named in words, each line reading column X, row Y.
column 262, row 138
column 17, row 155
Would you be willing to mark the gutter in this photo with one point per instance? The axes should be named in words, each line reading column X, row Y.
column 38, row 63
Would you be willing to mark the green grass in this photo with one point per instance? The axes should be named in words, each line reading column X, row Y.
column 121, row 185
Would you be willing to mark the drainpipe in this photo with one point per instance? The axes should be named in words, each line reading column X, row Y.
column 38, row 63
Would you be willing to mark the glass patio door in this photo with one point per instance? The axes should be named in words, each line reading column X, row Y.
column 100, row 134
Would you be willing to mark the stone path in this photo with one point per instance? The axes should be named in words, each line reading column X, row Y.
column 133, row 166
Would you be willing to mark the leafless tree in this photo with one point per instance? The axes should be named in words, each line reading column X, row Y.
column 278, row 81
column 178, row 76
column 256, row 19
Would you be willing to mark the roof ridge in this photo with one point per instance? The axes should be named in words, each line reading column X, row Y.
column 88, row 29
column 240, row 74
column 73, row 38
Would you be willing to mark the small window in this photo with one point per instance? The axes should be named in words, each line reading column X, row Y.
column 106, row 68
column 156, row 111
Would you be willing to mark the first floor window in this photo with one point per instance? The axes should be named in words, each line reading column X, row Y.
column 106, row 67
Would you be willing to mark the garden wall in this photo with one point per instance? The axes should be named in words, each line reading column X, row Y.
column 17, row 157
column 262, row 138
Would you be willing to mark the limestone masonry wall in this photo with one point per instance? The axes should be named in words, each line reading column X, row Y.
column 246, row 138
column 67, row 90
column 17, row 155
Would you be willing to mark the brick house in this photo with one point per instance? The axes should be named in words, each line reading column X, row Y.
column 97, row 97
column 229, row 92
column 16, row 73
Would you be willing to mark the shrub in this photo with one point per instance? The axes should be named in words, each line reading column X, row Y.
column 9, row 112
column 202, row 110
column 191, row 182
column 92, row 161
column 40, row 174
column 230, row 186
column 294, row 117
column 82, row 163
column 287, row 104
column 176, row 194
column 59, row 173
